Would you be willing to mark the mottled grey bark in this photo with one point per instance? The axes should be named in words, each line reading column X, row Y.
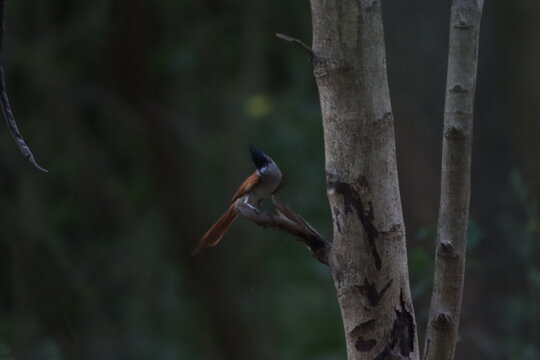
column 442, row 330
column 368, row 258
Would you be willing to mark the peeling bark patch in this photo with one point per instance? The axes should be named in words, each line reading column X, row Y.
column 369, row 290
column 351, row 198
column 403, row 330
column 376, row 257
column 455, row 133
column 336, row 218
column 362, row 328
column 362, row 180
column 458, row 89
column 352, row 201
column 364, row 345
column 401, row 341
column 360, row 343
column 339, row 277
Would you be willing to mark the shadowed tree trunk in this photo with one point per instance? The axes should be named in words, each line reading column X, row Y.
column 445, row 309
column 369, row 259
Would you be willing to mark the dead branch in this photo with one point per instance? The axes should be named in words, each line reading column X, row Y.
column 296, row 41
column 6, row 107
column 289, row 222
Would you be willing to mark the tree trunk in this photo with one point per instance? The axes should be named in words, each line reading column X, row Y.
column 445, row 306
column 368, row 259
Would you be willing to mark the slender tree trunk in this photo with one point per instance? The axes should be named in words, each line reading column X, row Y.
column 368, row 260
column 445, row 307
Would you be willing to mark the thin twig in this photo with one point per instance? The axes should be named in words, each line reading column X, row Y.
column 290, row 222
column 298, row 42
column 6, row 107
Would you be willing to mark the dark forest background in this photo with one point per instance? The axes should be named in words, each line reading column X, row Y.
column 142, row 111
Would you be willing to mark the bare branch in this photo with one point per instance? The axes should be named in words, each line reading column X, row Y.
column 290, row 222
column 298, row 42
column 6, row 107
column 445, row 309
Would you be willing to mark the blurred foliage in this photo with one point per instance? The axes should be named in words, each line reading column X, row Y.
column 142, row 111
column 520, row 310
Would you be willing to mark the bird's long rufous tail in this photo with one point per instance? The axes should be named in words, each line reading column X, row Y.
column 216, row 232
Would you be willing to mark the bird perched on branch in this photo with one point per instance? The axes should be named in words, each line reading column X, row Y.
column 265, row 181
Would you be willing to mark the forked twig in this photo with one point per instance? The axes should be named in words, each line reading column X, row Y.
column 296, row 41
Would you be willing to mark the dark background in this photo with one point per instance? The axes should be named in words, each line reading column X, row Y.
column 142, row 111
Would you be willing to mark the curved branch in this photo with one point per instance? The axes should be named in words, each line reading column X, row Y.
column 6, row 107
column 290, row 222
column 445, row 309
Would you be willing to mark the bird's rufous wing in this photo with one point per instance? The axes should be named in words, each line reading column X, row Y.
column 247, row 185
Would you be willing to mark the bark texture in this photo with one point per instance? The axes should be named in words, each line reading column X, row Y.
column 368, row 258
column 442, row 330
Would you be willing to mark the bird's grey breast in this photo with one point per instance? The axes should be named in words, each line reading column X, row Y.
column 270, row 179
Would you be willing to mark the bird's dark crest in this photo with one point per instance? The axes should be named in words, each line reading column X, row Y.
column 259, row 158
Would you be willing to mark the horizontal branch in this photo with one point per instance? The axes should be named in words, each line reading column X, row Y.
column 289, row 222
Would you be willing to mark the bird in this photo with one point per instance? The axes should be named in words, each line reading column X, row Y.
column 264, row 182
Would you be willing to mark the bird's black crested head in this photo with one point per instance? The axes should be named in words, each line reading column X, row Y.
column 259, row 158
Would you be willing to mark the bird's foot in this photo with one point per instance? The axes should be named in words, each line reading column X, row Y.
column 254, row 208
